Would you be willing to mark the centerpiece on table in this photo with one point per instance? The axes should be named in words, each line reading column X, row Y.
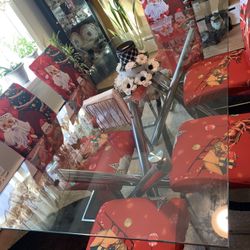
column 135, row 69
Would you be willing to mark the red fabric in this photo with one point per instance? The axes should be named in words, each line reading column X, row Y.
column 34, row 132
column 204, row 141
column 236, row 73
column 103, row 153
column 56, row 70
column 170, row 22
column 140, row 218
column 211, row 77
column 116, row 145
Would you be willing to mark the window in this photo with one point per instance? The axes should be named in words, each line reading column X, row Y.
column 12, row 33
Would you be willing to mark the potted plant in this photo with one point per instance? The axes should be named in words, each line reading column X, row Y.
column 25, row 48
column 14, row 73
column 72, row 55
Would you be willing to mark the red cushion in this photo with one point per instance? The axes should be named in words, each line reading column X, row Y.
column 194, row 153
column 114, row 155
column 141, row 218
column 209, row 78
column 169, row 22
column 103, row 153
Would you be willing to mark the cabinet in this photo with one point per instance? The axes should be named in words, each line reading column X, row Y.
column 76, row 23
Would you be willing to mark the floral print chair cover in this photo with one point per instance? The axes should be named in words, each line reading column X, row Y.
column 170, row 21
column 120, row 220
column 55, row 69
column 196, row 162
column 29, row 126
column 212, row 77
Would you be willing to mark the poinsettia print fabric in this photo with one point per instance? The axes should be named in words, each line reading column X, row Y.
column 55, row 69
column 27, row 124
column 140, row 218
column 212, row 77
column 218, row 147
column 170, row 21
column 103, row 152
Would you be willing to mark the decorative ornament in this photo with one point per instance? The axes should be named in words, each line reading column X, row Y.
column 196, row 147
column 128, row 222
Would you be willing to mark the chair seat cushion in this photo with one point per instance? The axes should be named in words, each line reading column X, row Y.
column 200, row 153
column 114, row 155
column 103, row 152
column 211, row 77
column 140, row 218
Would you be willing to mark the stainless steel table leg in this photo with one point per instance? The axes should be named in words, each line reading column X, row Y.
column 172, row 90
column 140, row 141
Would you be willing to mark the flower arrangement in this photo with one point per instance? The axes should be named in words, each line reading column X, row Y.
column 137, row 73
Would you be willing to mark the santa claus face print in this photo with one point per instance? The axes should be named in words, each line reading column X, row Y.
column 156, row 8
column 61, row 79
column 16, row 133
column 7, row 124
column 52, row 70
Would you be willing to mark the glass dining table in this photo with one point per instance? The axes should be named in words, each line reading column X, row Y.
column 174, row 189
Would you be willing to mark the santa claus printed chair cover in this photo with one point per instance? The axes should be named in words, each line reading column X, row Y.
column 209, row 148
column 211, row 78
column 29, row 126
column 55, row 69
column 118, row 221
column 170, row 21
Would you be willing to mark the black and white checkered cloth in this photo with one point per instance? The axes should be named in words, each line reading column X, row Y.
column 126, row 54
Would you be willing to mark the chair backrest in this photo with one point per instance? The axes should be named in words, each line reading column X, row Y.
column 54, row 68
column 170, row 22
column 245, row 22
column 29, row 126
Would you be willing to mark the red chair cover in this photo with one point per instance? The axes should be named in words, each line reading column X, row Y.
column 200, row 158
column 212, row 77
column 140, row 218
column 55, row 69
column 29, row 126
column 170, row 22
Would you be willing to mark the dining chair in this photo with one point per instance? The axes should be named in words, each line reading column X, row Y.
column 208, row 148
column 210, row 79
column 56, row 70
column 119, row 224
column 170, row 22
column 29, row 126
column 140, row 218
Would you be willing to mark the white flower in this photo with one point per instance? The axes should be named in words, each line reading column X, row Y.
column 141, row 59
column 143, row 78
column 130, row 65
column 153, row 65
column 118, row 67
column 128, row 86
column 118, row 82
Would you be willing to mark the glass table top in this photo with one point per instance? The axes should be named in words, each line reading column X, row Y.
column 161, row 178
